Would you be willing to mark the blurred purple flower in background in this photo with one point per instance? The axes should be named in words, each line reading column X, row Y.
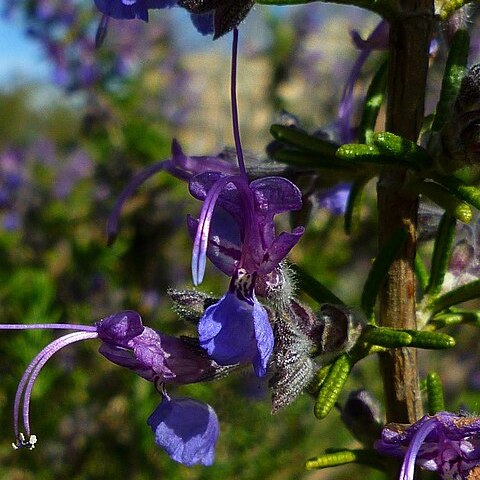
column 12, row 177
column 445, row 443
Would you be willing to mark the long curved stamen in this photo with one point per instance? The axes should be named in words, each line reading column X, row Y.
column 48, row 326
column 233, row 94
column 199, row 254
column 31, row 373
column 112, row 222
column 408, row 467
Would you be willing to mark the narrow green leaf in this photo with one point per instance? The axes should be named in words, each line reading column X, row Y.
column 303, row 141
column 456, row 317
column 445, row 199
column 468, row 193
column 372, row 156
column 307, row 160
column 441, row 253
column 320, row 375
column 421, row 272
column 402, row 148
column 313, row 288
column 379, row 270
column 467, row 292
column 430, row 340
column 452, row 78
column 386, row 337
column 354, row 203
column 332, row 386
column 331, row 460
column 436, row 402
column 373, row 102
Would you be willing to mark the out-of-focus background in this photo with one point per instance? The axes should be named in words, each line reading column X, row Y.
column 76, row 123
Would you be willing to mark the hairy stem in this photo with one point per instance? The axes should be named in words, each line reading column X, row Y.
column 410, row 36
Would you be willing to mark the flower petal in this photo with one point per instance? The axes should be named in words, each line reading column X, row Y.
column 186, row 429
column 275, row 195
column 199, row 254
column 237, row 331
column 224, row 247
column 279, row 249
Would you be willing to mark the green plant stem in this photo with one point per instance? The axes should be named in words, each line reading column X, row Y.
column 410, row 35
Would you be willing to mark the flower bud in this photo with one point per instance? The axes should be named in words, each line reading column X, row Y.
column 361, row 415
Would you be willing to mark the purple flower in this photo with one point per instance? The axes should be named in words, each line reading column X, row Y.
column 444, row 443
column 186, row 429
column 245, row 237
column 334, row 199
column 236, row 231
column 128, row 9
column 156, row 357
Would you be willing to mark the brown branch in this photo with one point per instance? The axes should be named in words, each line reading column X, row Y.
column 409, row 44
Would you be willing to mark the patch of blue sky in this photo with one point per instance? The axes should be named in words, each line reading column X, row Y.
column 22, row 58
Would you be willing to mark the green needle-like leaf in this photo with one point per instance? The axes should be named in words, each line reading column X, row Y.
column 441, row 253
column 430, row 340
column 313, row 288
column 303, row 141
column 386, row 337
column 331, row 460
column 354, row 203
column 452, row 78
column 456, row 317
column 379, row 270
column 462, row 294
column 371, row 156
column 445, row 199
column 320, row 375
column 436, row 402
column 421, row 272
column 373, row 102
column 467, row 193
column 332, row 386
column 402, row 148
column 310, row 161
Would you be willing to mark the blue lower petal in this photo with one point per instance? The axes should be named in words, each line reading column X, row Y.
column 186, row 429
column 237, row 331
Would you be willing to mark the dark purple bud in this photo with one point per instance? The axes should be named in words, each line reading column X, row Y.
column 361, row 415
column 118, row 329
column 341, row 329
